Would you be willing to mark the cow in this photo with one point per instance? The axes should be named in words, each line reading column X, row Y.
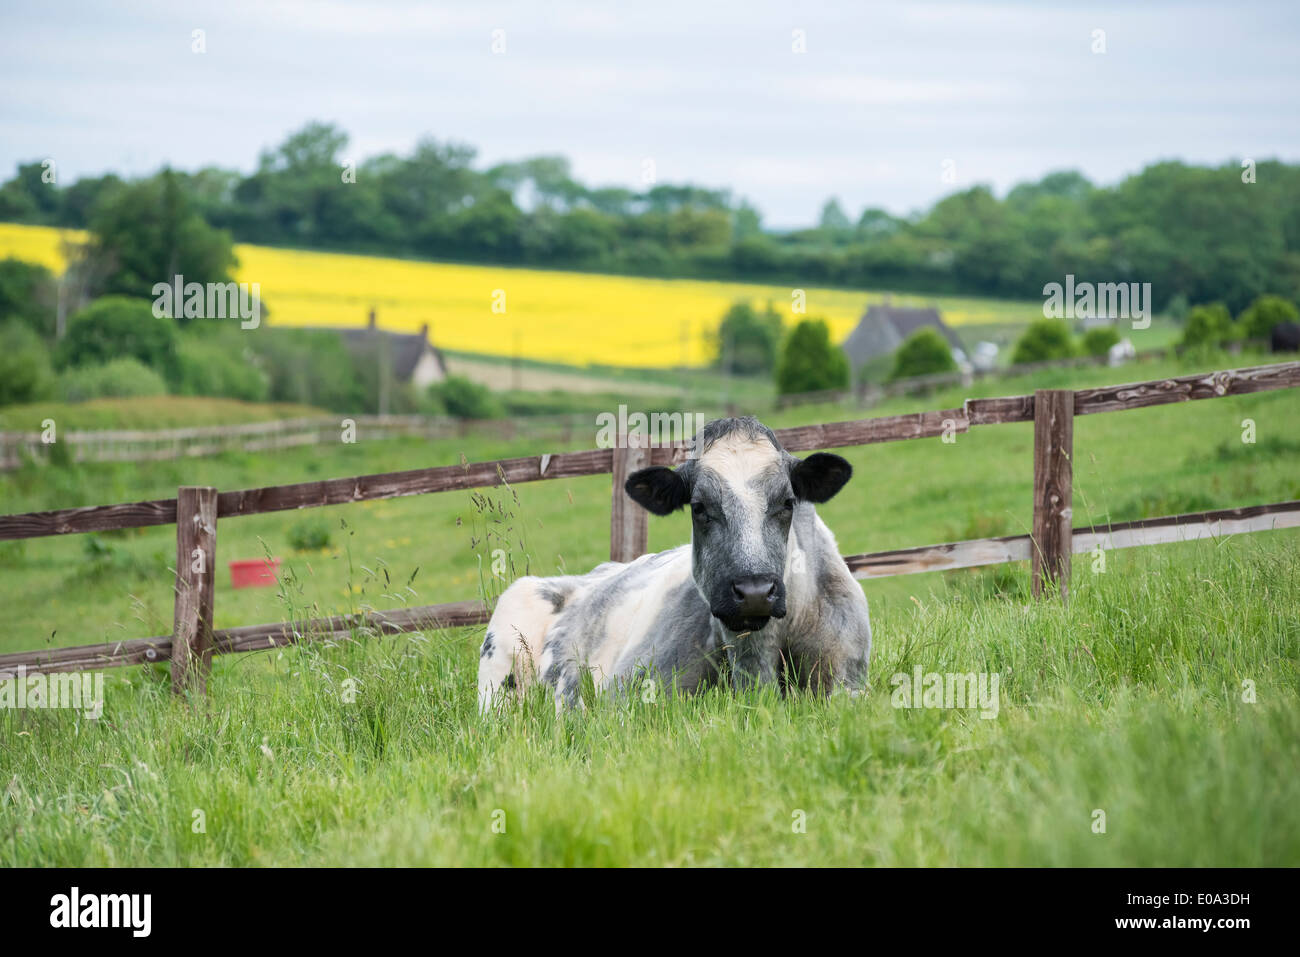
column 760, row 596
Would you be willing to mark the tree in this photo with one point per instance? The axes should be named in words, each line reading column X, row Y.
column 833, row 219
column 1044, row 340
column 810, row 362
column 25, row 374
column 875, row 224
column 30, row 196
column 1259, row 318
column 117, row 327
column 312, row 367
column 149, row 232
column 28, row 293
column 747, row 341
column 1098, row 340
column 925, row 352
column 1208, row 325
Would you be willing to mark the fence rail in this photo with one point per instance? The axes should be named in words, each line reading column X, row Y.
column 135, row 445
column 196, row 513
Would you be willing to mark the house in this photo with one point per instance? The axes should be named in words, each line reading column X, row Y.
column 885, row 327
column 411, row 357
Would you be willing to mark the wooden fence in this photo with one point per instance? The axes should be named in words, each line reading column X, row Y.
column 130, row 445
column 139, row 445
column 196, row 512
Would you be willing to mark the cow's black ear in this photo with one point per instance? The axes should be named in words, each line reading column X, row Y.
column 657, row 489
column 818, row 477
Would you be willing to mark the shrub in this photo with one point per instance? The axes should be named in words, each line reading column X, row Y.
column 747, row 341
column 464, row 399
column 309, row 367
column 219, row 365
column 115, row 379
column 28, row 292
column 925, row 352
column 310, row 534
column 25, row 373
column 1208, row 325
column 1097, row 341
column 118, row 327
column 810, row 362
column 1043, row 341
column 1259, row 318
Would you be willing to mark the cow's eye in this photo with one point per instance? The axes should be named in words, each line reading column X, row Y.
column 700, row 513
column 788, row 505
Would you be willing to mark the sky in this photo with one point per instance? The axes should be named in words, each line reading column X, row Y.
column 879, row 104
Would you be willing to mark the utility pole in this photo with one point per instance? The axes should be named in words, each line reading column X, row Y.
column 514, row 365
column 686, row 336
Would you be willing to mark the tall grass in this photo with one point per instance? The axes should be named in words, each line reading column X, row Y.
column 1164, row 694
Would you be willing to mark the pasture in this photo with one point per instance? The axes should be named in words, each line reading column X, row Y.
column 1128, row 700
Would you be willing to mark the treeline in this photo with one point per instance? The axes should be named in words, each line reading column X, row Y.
column 1197, row 234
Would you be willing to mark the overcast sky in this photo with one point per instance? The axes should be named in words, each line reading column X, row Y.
column 712, row 92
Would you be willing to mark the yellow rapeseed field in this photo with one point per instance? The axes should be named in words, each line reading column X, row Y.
column 575, row 318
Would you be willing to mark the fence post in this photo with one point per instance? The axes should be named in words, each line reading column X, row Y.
column 1053, row 488
column 629, row 524
column 196, row 572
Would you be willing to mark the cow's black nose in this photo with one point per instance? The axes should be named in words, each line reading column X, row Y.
column 755, row 595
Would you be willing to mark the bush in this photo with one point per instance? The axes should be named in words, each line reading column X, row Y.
column 28, row 292
column 1209, row 325
column 1259, row 318
column 464, row 399
column 309, row 367
column 810, row 362
column 310, row 535
column 1043, row 341
column 925, row 352
column 25, row 373
column 115, row 379
column 747, row 342
column 118, row 327
column 219, row 365
column 1097, row 341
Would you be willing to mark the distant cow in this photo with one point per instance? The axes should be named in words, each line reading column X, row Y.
column 760, row 593
column 1285, row 337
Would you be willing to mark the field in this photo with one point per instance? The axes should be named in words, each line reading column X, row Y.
column 1129, row 700
column 572, row 318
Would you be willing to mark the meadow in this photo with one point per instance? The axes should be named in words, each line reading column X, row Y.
column 1153, row 721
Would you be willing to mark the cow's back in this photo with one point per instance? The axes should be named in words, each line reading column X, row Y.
column 618, row 621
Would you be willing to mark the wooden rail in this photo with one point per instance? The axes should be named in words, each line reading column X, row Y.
column 903, row 561
column 1049, row 546
column 137, row 445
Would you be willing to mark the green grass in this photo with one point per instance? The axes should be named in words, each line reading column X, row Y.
column 160, row 412
column 1129, row 700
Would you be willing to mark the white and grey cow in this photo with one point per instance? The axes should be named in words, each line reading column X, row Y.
column 760, row 593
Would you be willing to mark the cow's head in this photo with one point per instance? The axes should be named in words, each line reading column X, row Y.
column 742, row 489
